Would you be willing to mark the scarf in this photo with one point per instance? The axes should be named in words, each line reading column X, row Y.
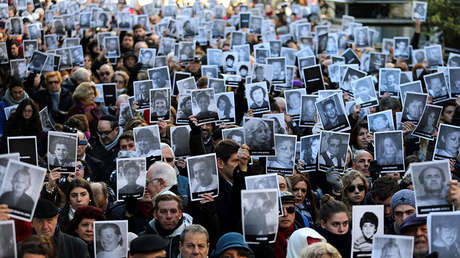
column 11, row 101
column 281, row 241
column 112, row 144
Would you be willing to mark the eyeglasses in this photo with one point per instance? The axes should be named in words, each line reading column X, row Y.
column 53, row 82
column 352, row 188
column 80, row 167
column 167, row 159
column 82, row 142
column 290, row 209
column 105, row 73
column 105, row 132
column 299, row 189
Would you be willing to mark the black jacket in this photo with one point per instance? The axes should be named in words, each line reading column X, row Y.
column 341, row 242
column 107, row 157
column 43, row 99
column 69, row 246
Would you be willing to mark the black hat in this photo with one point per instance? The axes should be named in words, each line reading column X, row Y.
column 287, row 197
column 45, row 209
column 147, row 244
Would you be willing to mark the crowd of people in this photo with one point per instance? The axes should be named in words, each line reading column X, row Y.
column 298, row 122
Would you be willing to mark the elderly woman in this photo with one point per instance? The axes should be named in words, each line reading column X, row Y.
column 355, row 188
column 121, row 78
column 259, row 135
column 82, row 225
column 84, row 97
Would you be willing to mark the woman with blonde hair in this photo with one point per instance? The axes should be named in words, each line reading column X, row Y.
column 320, row 250
column 84, row 97
column 355, row 188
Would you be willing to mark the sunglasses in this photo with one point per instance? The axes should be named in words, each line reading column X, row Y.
column 104, row 133
column 169, row 160
column 105, row 73
column 352, row 188
column 82, row 142
column 80, row 167
column 290, row 209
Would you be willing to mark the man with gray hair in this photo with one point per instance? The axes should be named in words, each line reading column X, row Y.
column 194, row 242
column 362, row 161
column 167, row 155
column 161, row 179
column 79, row 75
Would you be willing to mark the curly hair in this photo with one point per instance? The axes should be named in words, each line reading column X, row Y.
column 86, row 212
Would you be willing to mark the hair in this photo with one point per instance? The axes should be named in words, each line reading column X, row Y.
column 18, row 121
column 16, row 82
column 329, row 206
column 122, row 74
column 194, row 229
column 355, row 132
column 347, row 179
column 52, row 74
column 251, row 126
column 202, row 82
column 301, row 178
column 37, row 244
column 389, row 245
column 251, row 92
column 384, row 187
column 104, row 189
column 82, row 91
column 115, row 228
column 369, row 217
column 165, row 145
column 127, row 135
column 225, row 149
column 81, row 75
column 78, row 121
column 230, row 57
column 24, row 172
column 242, row 252
column 163, row 170
column 356, row 154
column 422, row 173
column 228, row 104
column 79, row 182
column 111, row 119
column 138, row 26
column 320, row 249
column 86, row 212
column 389, row 103
column 133, row 123
column 167, row 197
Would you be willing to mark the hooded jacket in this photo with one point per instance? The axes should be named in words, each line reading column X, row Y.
column 173, row 237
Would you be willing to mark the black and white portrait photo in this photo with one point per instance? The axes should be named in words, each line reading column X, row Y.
column 17, row 26
column 454, row 79
column 147, row 57
column 112, row 44
column 62, row 151
column 226, row 107
column 229, row 62
column 364, row 92
column 30, row 46
column 184, row 109
column 77, row 56
column 437, row 86
column 389, row 151
column 214, row 56
column 349, row 73
column 293, row 102
column 401, row 47
column 243, row 69
column 218, row 28
column 210, row 71
column 393, row 246
column 186, row 86
column 26, row 146
column 37, row 62
column 381, row 121
column 186, row 51
column 217, row 84
column 21, row 188
column 142, row 93
column 147, row 141
column 180, row 140
column 419, row 11
column 275, row 48
column 235, row 134
column 8, row 239
column 389, row 79
column 160, row 77
column 367, row 222
column 427, row 126
column 59, row 26
column 415, row 86
column 18, row 68
column 333, row 150
column 204, row 106
column 51, row 41
column 159, row 105
column 413, row 106
column 306, row 61
column 313, row 78
column 321, row 39
column 430, row 186
column 255, row 24
column 261, row 55
column 434, row 55
column 289, row 54
column 202, row 171
column 309, row 148
column 4, row 159
column 447, row 142
column 278, row 118
column 376, row 61
column 387, row 45
column 259, row 210
column 259, row 136
column 362, row 37
column 332, row 113
column 242, row 53
column 85, row 20
column 261, row 73
column 308, row 111
column 125, row 114
column 444, row 233
column 257, row 96
column 418, row 56
column 125, row 20
column 131, row 177
column 453, row 60
column 268, row 181
column 110, row 238
column 3, row 53
column 283, row 162
column 65, row 55
column 34, row 31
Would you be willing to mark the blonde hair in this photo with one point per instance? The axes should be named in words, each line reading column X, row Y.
column 82, row 91
column 317, row 250
column 347, row 179
column 53, row 74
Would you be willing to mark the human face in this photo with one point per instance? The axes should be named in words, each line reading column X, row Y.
column 337, row 223
column 284, row 151
column 61, row 151
column 452, row 142
column 118, row 79
column 45, row 226
column 287, row 219
column 53, row 84
column 195, row 245
column 131, row 176
column 368, row 230
column 282, row 183
column 109, row 239
column 436, row 85
column 334, row 146
column 420, row 234
column 79, row 170
column 27, row 112
column 231, row 253
column 357, row 196
column 432, row 180
column 415, row 108
column 362, row 139
column 106, row 133
column 127, row 42
column 139, row 32
column 309, row 107
column 448, row 114
column 17, row 92
column 300, row 191
column 386, row 203
column 106, row 74
column 166, row 154
column 167, row 214
column 14, row 50
column 362, row 162
column 401, row 212
column 263, row 134
column 229, row 166
column 203, row 103
column 330, row 111
column 390, row 252
column 294, row 100
column 127, row 145
column 85, row 230
column 448, row 235
column 79, row 197
column 202, row 173
column 221, row 105
column 380, row 122
column 88, row 62
column 258, row 96
column 160, row 106
column 389, row 147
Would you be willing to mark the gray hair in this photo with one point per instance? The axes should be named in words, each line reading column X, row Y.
column 357, row 153
column 81, row 75
column 165, row 145
column 163, row 170
column 194, row 229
